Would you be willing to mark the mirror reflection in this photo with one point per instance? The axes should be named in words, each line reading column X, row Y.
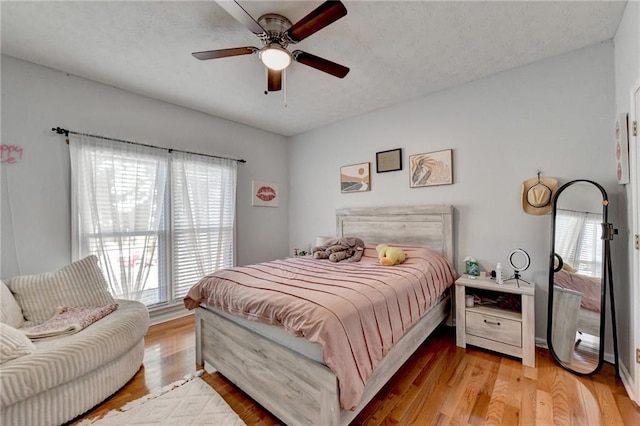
column 577, row 277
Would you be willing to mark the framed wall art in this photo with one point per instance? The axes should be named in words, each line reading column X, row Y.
column 355, row 178
column 265, row 194
column 389, row 161
column 622, row 149
column 432, row 168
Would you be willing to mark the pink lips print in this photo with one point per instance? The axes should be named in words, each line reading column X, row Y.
column 266, row 193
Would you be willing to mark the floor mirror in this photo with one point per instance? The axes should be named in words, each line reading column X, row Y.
column 579, row 277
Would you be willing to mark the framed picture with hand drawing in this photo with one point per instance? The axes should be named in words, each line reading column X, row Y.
column 389, row 161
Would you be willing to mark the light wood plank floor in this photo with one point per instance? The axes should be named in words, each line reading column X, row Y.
column 440, row 384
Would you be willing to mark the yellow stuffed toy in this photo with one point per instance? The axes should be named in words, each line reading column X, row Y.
column 390, row 256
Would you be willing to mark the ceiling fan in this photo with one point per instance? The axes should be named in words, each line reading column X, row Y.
column 276, row 33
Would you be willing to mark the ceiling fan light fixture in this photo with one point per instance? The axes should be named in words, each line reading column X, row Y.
column 275, row 57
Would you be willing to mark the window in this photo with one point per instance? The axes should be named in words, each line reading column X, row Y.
column 158, row 221
column 578, row 241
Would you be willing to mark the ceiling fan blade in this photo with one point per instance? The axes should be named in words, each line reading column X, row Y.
column 327, row 13
column 242, row 16
column 319, row 63
column 223, row 53
column 274, row 80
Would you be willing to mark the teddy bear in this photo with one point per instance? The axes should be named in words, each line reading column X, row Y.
column 390, row 256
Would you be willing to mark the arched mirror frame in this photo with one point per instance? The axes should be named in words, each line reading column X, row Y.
column 606, row 280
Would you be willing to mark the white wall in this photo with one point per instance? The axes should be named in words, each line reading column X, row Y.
column 555, row 115
column 35, row 211
column 627, row 73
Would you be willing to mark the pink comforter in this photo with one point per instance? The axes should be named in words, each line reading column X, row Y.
column 356, row 311
column 588, row 286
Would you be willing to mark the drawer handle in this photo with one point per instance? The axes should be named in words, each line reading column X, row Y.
column 491, row 322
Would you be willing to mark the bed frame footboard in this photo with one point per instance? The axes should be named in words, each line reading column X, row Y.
column 292, row 387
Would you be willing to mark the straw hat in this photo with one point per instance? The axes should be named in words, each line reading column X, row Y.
column 537, row 193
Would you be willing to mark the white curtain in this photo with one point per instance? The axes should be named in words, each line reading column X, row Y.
column 203, row 214
column 118, row 194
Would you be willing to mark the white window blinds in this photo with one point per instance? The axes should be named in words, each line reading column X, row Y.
column 578, row 240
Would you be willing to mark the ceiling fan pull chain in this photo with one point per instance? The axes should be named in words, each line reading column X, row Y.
column 266, row 73
column 284, row 83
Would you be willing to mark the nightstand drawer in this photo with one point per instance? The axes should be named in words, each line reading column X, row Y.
column 494, row 328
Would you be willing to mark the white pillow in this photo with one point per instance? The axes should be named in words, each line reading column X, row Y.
column 13, row 344
column 10, row 311
column 78, row 284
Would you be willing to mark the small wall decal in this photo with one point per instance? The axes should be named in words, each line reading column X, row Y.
column 10, row 153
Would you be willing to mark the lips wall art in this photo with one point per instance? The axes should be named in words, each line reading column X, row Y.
column 265, row 194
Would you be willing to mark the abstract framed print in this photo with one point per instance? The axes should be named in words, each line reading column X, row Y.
column 432, row 168
column 355, row 178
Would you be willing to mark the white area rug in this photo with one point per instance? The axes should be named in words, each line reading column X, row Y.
column 190, row 401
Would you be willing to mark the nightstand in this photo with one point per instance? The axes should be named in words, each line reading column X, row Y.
column 499, row 329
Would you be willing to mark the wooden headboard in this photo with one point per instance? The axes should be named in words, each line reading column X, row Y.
column 428, row 225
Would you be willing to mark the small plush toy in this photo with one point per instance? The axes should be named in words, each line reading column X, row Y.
column 390, row 256
column 338, row 249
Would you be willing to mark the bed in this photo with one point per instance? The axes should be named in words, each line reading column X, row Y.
column 292, row 378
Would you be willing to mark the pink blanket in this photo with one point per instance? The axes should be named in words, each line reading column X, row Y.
column 588, row 286
column 356, row 311
column 69, row 320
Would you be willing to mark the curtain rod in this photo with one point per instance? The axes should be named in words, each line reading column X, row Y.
column 579, row 211
column 61, row 131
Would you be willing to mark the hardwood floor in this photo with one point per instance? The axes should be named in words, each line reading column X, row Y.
column 586, row 353
column 440, row 384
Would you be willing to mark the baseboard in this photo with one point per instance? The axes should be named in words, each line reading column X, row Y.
column 168, row 313
column 629, row 384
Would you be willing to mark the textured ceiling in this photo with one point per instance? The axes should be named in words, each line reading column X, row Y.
column 397, row 50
